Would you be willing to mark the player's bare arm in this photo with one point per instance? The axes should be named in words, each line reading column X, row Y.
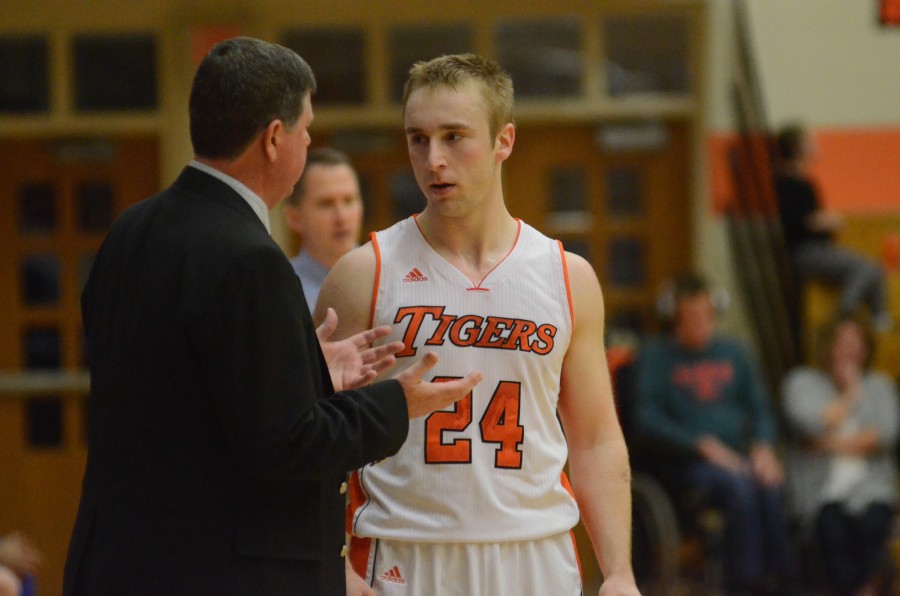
column 348, row 290
column 598, row 458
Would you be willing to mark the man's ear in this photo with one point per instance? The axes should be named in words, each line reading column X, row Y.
column 271, row 137
column 505, row 140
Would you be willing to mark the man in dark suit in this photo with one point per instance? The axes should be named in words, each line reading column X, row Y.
column 218, row 445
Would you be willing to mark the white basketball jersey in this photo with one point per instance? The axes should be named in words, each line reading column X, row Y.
column 491, row 467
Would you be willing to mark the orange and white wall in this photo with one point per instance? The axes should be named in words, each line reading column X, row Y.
column 828, row 64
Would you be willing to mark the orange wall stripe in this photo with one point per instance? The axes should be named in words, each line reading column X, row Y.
column 856, row 169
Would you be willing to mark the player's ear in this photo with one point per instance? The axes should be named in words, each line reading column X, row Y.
column 505, row 140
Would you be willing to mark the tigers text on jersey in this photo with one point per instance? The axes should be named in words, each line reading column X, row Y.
column 490, row 468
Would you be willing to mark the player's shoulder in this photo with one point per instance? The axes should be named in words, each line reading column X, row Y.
column 580, row 272
column 361, row 259
column 397, row 231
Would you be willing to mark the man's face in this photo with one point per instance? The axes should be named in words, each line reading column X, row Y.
column 328, row 216
column 453, row 155
column 695, row 321
column 292, row 148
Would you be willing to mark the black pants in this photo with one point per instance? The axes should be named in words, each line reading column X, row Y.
column 852, row 546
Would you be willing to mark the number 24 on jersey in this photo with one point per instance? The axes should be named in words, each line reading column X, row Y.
column 499, row 425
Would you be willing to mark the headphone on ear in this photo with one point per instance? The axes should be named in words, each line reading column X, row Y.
column 688, row 284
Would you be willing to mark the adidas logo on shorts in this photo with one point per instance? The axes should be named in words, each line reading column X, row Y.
column 393, row 576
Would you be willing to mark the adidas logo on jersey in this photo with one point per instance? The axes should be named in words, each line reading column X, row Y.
column 415, row 275
column 393, row 576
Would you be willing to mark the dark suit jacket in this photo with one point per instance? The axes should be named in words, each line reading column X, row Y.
column 216, row 448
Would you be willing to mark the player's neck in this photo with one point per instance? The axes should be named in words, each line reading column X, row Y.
column 474, row 244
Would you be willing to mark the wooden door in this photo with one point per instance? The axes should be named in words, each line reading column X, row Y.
column 57, row 199
column 625, row 209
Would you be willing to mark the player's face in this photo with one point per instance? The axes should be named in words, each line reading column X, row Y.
column 695, row 321
column 455, row 159
column 329, row 215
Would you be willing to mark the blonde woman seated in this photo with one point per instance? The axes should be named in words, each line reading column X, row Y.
column 842, row 477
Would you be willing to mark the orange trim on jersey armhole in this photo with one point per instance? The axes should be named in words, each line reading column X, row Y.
column 565, row 266
column 375, row 246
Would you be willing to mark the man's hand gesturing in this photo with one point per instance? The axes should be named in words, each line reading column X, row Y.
column 352, row 362
column 423, row 397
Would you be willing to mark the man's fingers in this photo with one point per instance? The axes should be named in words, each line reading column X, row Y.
column 364, row 339
column 370, row 336
column 366, row 378
column 382, row 364
column 377, row 353
column 421, row 366
column 324, row 331
column 465, row 384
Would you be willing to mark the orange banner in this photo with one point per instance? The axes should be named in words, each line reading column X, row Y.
column 890, row 12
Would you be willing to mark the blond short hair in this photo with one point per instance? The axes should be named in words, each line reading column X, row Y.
column 455, row 70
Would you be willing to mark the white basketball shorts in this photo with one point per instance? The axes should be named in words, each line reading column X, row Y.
column 544, row 567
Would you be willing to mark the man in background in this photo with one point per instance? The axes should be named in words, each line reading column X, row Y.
column 702, row 402
column 325, row 211
column 811, row 235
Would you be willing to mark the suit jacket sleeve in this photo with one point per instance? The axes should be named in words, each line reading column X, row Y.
column 270, row 387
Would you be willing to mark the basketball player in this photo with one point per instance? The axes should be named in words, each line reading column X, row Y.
column 475, row 502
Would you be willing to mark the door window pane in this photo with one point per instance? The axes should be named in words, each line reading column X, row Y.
column 40, row 279
column 409, row 45
column 625, row 191
column 37, row 208
column 579, row 246
column 42, row 348
column 626, row 264
column 569, row 210
column 115, row 72
column 24, row 79
column 568, row 190
column 544, row 57
column 44, row 420
column 95, row 206
column 336, row 56
column 646, row 54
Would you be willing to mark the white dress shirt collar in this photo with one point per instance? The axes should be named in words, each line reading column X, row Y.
column 256, row 203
